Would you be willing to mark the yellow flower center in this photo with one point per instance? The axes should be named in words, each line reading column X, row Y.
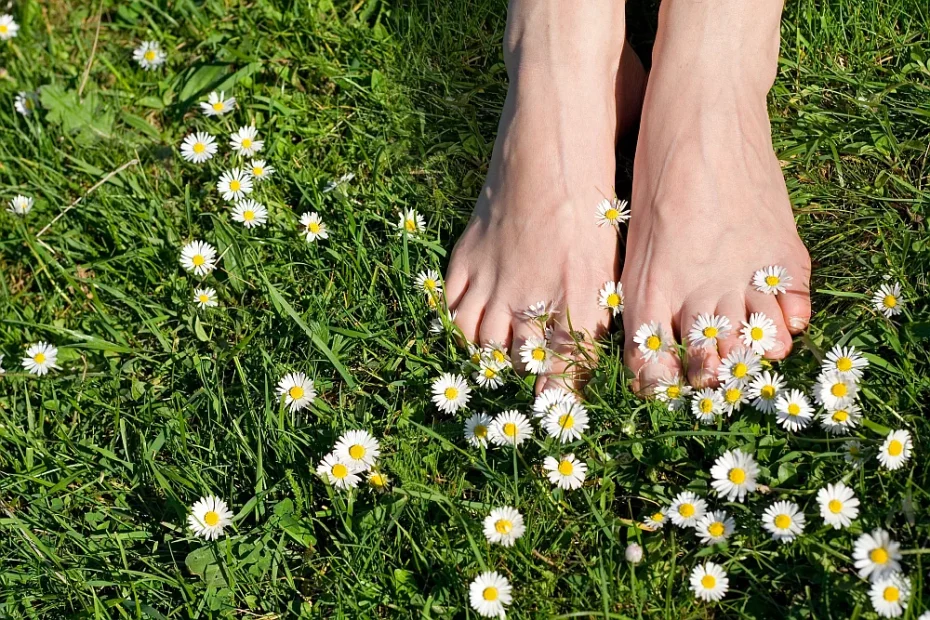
column 234, row 185
column 733, row 395
column 708, row 582
column 853, row 450
column 891, row 594
column 771, row 280
column 706, row 405
column 686, row 510
column 489, row 593
column 503, row 526
column 658, row 517
column 475, row 357
column 219, row 106
column 39, row 358
column 481, row 431
column 653, row 343
column 737, row 475
column 739, row 370
column 613, row 300
column 340, row 471
column 794, row 409
column 246, row 143
column 756, row 333
column 539, row 354
column 150, row 55
column 410, row 225
column 878, row 555
column 895, row 448
column 716, row 529
column 198, row 260
column 611, row 214
column 510, row 429
column 199, row 147
column 673, row 391
column 710, row 332
column 767, row 392
column 838, row 390
column 248, row 216
column 840, row 416
column 4, row 29
column 782, row 521
column 357, row 451
column 835, row 506
column 257, row 171
column 211, row 518
column 429, row 284
column 844, row 364
column 296, row 392
column 566, row 468
column 489, row 373
column 498, row 356
column 890, row 301
column 566, row 421
column 203, row 299
column 451, row 393
column 313, row 227
column 377, row 480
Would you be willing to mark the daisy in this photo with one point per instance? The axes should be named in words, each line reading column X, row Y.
column 707, row 404
column 250, row 213
column 450, row 392
column 474, row 354
column 337, row 473
column 476, row 429
column 259, row 169
column 845, row 361
column 838, row 505
column 25, row 102
column 708, row 329
column 567, row 472
column 358, row 448
column 835, row 390
column 20, row 205
column 504, row 526
column 715, row 527
column 8, row 27
column 839, row 421
column 149, row 55
column 198, row 257
column 246, row 142
column 2, row 370
column 765, row 389
column 567, row 421
column 217, row 104
column 234, row 184
column 489, row 594
column 198, row 147
column 541, row 310
column 771, row 280
column 740, row 365
column 378, row 481
column 313, row 225
column 411, row 222
column 734, row 396
column 895, row 450
column 759, row 333
column 612, row 212
column 509, row 428
column 41, row 358
column 633, row 553
column 853, row 454
column 209, row 516
column 437, row 326
column 549, row 399
column 734, row 474
column 611, row 297
column 657, row 519
column 673, row 392
column 887, row 299
column 687, row 509
column 297, row 389
column 709, row 582
column 331, row 185
column 536, row 355
column 497, row 353
column 784, row 520
column 890, row 595
column 793, row 411
column 205, row 298
column 876, row 555
column 651, row 341
column 428, row 283
column 488, row 375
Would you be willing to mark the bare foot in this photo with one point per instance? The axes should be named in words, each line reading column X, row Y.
column 709, row 204
column 533, row 235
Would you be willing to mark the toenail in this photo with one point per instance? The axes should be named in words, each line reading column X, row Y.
column 797, row 322
column 777, row 348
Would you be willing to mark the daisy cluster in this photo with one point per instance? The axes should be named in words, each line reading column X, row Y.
column 353, row 457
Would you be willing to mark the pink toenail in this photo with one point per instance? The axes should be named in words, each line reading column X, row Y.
column 797, row 322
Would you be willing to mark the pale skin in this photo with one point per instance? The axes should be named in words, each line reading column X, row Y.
column 709, row 203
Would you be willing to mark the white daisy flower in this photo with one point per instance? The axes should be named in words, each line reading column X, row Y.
column 488, row 375
column 489, row 594
column 411, row 223
column 793, row 411
column 209, row 516
column 651, row 341
column 217, row 104
column 765, row 389
column 845, row 361
column 20, row 205
column 784, row 520
column 835, row 390
column 687, row 509
column 358, row 448
column 198, row 147
column 504, row 526
column 839, row 421
column 26, row 102
column 734, row 474
column 198, row 257
column 259, row 169
column 450, row 392
column 715, row 527
column 297, row 389
column 890, row 595
column 709, row 582
column 429, row 283
column 708, row 329
column 474, row 355
column 41, row 358
column 234, row 184
column 246, row 142
column 633, row 553
column 477, row 428
column 2, row 370
column 887, row 299
column 838, row 505
column 331, row 185
column 734, row 395
column 759, row 333
column 611, row 297
column 541, row 310
column 313, row 227
column 854, row 453
column 673, row 392
column 739, row 365
column 567, row 421
column 250, row 213
column 536, row 355
column 8, row 27
column 378, row 481
column 205, row 297
column 612, row 212
column 547, row 400
column 876, row 555
column 509, row 428
column 895, row 450
column 771, row 280
column 706, row 405
column 658, row 519
column 437, row 326
column 337, row 473
column 497, row 353
column 149, row 55
column 566, row 472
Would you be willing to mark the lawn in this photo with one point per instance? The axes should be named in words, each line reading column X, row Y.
column 159, row 402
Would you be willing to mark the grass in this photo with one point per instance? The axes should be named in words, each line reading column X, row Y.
column 159, row 404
